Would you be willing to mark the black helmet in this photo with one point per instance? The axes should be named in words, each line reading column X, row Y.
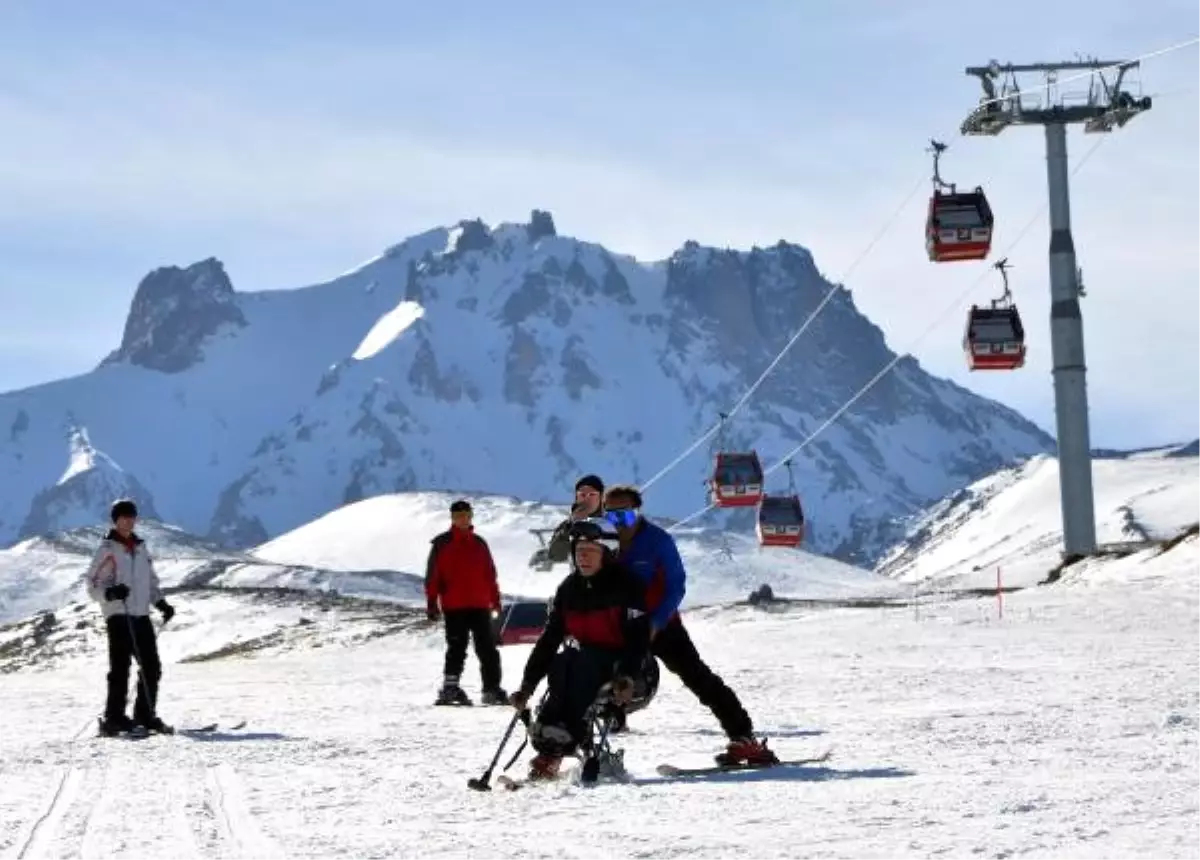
column 123, row 508
column 594, row 530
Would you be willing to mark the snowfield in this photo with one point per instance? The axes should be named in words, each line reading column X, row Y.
column 1012, row 520
column 1067, row 727
column 377, row 549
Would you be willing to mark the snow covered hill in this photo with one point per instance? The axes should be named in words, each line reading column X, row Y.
column 507, row 360
column 47, row 573
column 1066, row 728
column 393, row 532
column 377, row 549
column 1012, row 520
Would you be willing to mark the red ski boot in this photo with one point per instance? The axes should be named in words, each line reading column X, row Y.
column 544, row 767
column 748, row 752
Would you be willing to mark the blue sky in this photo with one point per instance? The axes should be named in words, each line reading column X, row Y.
column 296, row 140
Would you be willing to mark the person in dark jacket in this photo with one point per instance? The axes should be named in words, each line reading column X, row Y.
column 123, row 581
column 650, row 552
column 598, row 611
column 589, row 498
column 461, row 584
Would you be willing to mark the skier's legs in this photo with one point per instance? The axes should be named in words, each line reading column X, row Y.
column 120, row 652
column 149, row 669
column 574, row 681
column 674, row 647
column 485, row 648
column 458, row 633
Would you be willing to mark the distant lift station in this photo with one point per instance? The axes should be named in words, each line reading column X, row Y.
column 1103, row 108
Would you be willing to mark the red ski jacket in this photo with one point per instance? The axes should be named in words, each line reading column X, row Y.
column 460, row 571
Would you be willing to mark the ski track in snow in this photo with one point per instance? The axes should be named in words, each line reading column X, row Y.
column 1067, row 727
column 228, row 799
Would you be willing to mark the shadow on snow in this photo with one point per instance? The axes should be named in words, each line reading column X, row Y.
column 766, row 733
column 787, row 773
column 234, row 737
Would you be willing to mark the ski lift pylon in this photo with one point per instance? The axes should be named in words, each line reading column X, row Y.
column 959, row 223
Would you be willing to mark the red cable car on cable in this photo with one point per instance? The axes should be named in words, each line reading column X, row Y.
column 781, row 518
column 994, row 338
column 959, row 224
column 737, row 477
column 737, row 480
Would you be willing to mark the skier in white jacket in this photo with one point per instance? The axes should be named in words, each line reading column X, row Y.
column 123, row 581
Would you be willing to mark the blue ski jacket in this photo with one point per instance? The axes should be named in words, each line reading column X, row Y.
column 653, row 556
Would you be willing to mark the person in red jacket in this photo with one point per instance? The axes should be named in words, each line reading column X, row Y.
column 460, row 575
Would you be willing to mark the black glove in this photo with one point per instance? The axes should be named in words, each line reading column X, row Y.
column 167, row 610
column 116, row 592
column 431, row 611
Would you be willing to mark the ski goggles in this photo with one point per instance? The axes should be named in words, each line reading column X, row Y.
column 622, row 519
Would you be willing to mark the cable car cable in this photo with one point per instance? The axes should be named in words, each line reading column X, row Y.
column 899, row 355
column 829, row 294
column 870, row 246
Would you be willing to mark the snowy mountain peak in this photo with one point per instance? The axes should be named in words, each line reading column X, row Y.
column 174, row 312
column 541, row 224
column 511, row 358
column 83, row 494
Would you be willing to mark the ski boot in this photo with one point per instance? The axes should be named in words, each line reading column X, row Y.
column 747, row 752
column 156, row 726
column 494, row 696
column 111, row 727
column 452, row 694
column 544, row 767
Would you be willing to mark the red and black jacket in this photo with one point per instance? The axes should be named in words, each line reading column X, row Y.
column 604, row 612
column 460, row 572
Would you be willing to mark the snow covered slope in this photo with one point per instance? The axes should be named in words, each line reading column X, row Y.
column 377, row 548
column 507, row 360
column 1067, row 728
column 40, row 574
column 1012, row 520
column 90, row 484
column 393, row 533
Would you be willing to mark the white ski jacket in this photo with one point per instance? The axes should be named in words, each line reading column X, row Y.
column 116, row 563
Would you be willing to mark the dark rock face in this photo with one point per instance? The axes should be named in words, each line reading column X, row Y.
column 173, row 312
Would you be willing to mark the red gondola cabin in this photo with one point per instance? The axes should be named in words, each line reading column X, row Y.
column 994, row 339
column 737, row 481
column 780, row 521
column 959, row 226
column 521, row 623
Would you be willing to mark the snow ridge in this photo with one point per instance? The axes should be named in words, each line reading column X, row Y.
column 506, row 359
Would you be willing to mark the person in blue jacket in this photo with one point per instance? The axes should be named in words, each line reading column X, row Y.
column 650, row 552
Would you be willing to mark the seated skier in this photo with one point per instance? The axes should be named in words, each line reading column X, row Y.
column 599, row 614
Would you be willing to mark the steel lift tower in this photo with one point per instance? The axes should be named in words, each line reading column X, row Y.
column 1103, row 108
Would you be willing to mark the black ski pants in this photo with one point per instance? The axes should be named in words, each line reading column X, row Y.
column 467, row 624
column 673, row 646
column 132, row 637
column 573, row 683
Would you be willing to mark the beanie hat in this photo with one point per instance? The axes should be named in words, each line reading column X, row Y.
column 460, row 505
column 123, row 508
column 592, row 481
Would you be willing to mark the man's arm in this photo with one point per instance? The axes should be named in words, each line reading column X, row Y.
column 675, row 582
column 545, row 648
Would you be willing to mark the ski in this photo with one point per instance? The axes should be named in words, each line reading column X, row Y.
column 670, row 770
column 210, row 728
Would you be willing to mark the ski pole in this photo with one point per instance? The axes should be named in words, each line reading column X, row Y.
column 137, row 653
column 481, row 783
column 524, row 743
